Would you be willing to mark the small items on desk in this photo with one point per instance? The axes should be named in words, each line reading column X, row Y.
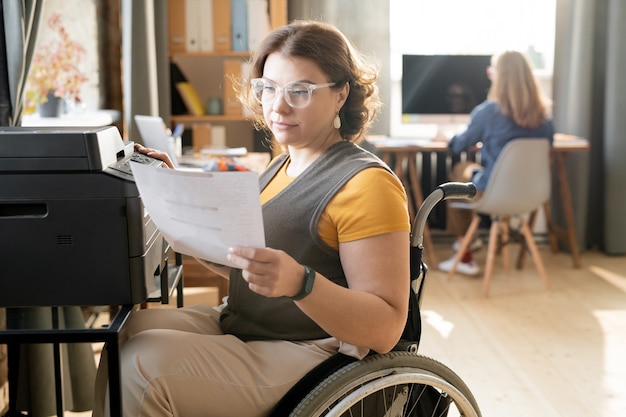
column 253, row 161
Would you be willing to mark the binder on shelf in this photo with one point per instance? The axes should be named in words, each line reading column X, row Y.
column 258, row 22
column 190, row 97
column 201, row 136
column 278, row 13
column 177, row 26
column 232, row 72
column 207, row 136
column 218, row 136
column 205, row 19
column 192, row 25
column 239, row 25
column 176, row 76
column 221, row 25
column 246, row 68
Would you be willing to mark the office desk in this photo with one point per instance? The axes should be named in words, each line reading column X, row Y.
column 404, row 152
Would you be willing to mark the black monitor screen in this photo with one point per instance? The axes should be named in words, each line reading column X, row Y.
column 443, row 84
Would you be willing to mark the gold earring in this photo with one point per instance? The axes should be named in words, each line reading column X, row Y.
column 337, row 122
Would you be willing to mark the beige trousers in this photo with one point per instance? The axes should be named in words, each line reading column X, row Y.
column 458, row 220
column 177, row 362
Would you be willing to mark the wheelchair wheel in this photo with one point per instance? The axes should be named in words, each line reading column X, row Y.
column 396, row 384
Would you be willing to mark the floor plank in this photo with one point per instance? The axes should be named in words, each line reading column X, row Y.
column 525, row 350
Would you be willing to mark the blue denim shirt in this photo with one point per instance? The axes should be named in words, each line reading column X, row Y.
column 489, row 126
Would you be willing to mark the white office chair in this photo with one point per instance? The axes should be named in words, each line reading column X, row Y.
column 519, row 184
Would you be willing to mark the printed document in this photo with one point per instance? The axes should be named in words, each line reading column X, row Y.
column 202, row 214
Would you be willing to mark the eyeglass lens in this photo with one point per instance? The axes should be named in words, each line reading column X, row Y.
column 296, row 94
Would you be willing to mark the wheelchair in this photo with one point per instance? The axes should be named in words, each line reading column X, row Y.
column 401, row 383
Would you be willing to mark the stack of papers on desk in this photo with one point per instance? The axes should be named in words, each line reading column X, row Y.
column 224, row 151
column 399, row 141
column 202, row 214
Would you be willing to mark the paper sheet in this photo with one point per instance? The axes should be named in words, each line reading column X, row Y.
column 202, row 214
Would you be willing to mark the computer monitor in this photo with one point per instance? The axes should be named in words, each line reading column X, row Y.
column 443, row 89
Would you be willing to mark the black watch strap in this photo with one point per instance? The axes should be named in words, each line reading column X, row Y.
column 307, row 284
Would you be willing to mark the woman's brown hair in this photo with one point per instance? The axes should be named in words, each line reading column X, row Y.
column 516, row 90
column 336, row 57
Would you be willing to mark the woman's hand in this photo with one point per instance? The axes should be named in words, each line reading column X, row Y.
column 268, row 272
column 371, row 312
column 156, row 154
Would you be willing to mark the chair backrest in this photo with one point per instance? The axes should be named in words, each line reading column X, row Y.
column 520, row 180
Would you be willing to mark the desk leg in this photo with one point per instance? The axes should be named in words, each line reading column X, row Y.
column 181, row 285
column 401, row 173
column 568, row 211
column 58, row 379
column 58, row 373
column 13, row 353
column 419, row 200
column 115, row 387
column 552, row 233
column 413, row 190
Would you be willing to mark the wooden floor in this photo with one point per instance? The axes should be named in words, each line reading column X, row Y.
column 526, row 351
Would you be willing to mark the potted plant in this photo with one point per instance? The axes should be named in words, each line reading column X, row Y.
column 55, row 72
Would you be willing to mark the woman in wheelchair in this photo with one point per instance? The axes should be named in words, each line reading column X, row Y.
column 334, row 276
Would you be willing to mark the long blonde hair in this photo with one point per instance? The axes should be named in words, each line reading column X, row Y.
column 516, row 90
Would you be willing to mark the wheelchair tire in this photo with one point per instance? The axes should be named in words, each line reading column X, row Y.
column 395, row 384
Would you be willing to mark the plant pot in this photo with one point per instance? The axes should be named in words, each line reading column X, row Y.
column 53, row 107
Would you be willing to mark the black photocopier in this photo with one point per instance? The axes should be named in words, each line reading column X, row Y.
column 73, row 230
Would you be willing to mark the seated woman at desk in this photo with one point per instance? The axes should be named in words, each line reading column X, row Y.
column 334, row 276
column 514, row 108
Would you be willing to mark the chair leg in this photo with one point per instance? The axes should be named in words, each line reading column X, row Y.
column 465, row 244
column 532, row 246
column 491, row 254
column 522, row 250
column 506, row 258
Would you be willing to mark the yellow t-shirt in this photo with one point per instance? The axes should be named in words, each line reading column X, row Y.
column 372, row 202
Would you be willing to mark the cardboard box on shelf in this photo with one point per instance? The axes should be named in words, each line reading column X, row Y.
column 201, row 136
column 192, row 296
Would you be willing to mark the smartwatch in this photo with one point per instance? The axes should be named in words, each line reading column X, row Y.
column 307, row 284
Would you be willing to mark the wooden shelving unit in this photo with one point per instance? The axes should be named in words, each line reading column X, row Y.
column 205, row 71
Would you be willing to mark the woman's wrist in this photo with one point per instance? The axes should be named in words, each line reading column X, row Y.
column 307, row 284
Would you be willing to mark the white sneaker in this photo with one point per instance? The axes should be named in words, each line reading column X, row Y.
column 465, row 268
column 477, row 244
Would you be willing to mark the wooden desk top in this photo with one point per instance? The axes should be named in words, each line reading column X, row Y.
column 562, row 143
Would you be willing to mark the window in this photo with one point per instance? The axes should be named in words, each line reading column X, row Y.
column 469, row 27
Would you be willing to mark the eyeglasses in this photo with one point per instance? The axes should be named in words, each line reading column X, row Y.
column 297, row 94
